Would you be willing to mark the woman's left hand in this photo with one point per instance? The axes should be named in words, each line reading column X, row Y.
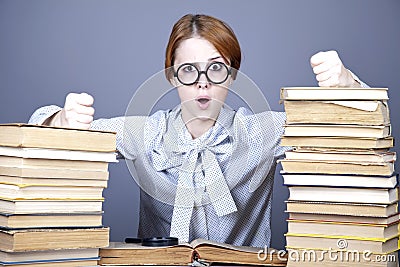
column 330, row 71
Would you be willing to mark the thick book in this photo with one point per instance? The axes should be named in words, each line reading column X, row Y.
column 337, row 142
column 186, row 253
column 337, row 130
column 23, row 206
column 347, row 243
column 312, row 217
column 362, row 230
column 49, row 257
column 338, row 180
column 337, row 112
column 23, row 191
column 348, row 194
column 342, row 208
column 333, row 93
column 337, row 167
column 38, row 136
column 57, row 238
column 45, row 220
column 365, row 155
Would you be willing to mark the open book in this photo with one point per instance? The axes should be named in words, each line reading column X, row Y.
column 200, row 250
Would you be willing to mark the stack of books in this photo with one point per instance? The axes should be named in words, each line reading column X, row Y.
column 51, row 185
column 343, row 190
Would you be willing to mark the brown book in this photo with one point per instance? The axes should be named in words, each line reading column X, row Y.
column 349, row 243
column 337, row 112
column 337, row 142
column 338, row 130
column 23, row 206
column 185, row 253
column 29, row 135
column 333, row 93
column 342, row 208
column 43, row 220
column 362, row 230
column 68, row 257
column 57, row 238
column 345, row 194
column 337, row 167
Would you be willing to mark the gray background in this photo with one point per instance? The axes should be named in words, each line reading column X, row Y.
column 109, row 48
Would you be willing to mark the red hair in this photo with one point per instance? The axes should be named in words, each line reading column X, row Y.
column 217, row 32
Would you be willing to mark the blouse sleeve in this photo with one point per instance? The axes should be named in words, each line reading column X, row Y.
column 355, row 77
column 127, row 148
column 279, row 120
column 41, row 114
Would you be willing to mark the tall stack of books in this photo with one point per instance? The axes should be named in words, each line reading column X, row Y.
column 51, row 184
column 343, row 190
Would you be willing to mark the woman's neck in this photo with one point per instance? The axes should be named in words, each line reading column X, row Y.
column 197, row 126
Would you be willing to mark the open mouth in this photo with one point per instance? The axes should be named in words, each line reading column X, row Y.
column 203, row 100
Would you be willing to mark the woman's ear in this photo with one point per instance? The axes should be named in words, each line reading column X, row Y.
column 169, row 73
column 173, row 81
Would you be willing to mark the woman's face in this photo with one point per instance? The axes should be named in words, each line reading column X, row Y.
column 203, row 99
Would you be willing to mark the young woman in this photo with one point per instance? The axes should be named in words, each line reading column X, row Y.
column 197, row 164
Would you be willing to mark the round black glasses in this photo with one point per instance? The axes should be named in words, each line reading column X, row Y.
column 189, row 74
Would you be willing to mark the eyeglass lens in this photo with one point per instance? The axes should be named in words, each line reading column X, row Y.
column 189, row 74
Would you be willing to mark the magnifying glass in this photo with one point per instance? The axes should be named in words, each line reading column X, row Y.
column 153, row 241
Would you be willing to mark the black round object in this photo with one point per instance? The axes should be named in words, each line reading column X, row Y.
column 159, row 241
column 133, row 240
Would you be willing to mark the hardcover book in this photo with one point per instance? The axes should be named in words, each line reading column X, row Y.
column 45, row 220
column 38, row 136
column 23, row 206
column 338, row 180
column 333, row 93
column 19, row 240
column 337, row 142
column 342, row 208
column 350, row 194
column 337, row 112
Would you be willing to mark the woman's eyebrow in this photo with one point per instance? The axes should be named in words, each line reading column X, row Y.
column 214, row 58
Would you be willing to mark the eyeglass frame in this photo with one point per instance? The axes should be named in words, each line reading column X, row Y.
column 199, row 72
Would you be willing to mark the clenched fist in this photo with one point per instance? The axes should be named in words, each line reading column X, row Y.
column 330, row 71
column 77, row 112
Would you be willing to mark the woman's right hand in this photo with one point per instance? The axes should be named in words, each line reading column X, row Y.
column 77, row 112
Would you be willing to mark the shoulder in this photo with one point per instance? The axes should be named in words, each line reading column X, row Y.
column 161, row 117
column 266, row 118
column 157, row 123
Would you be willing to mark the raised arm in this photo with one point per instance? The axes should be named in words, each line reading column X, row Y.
column 78, row 113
